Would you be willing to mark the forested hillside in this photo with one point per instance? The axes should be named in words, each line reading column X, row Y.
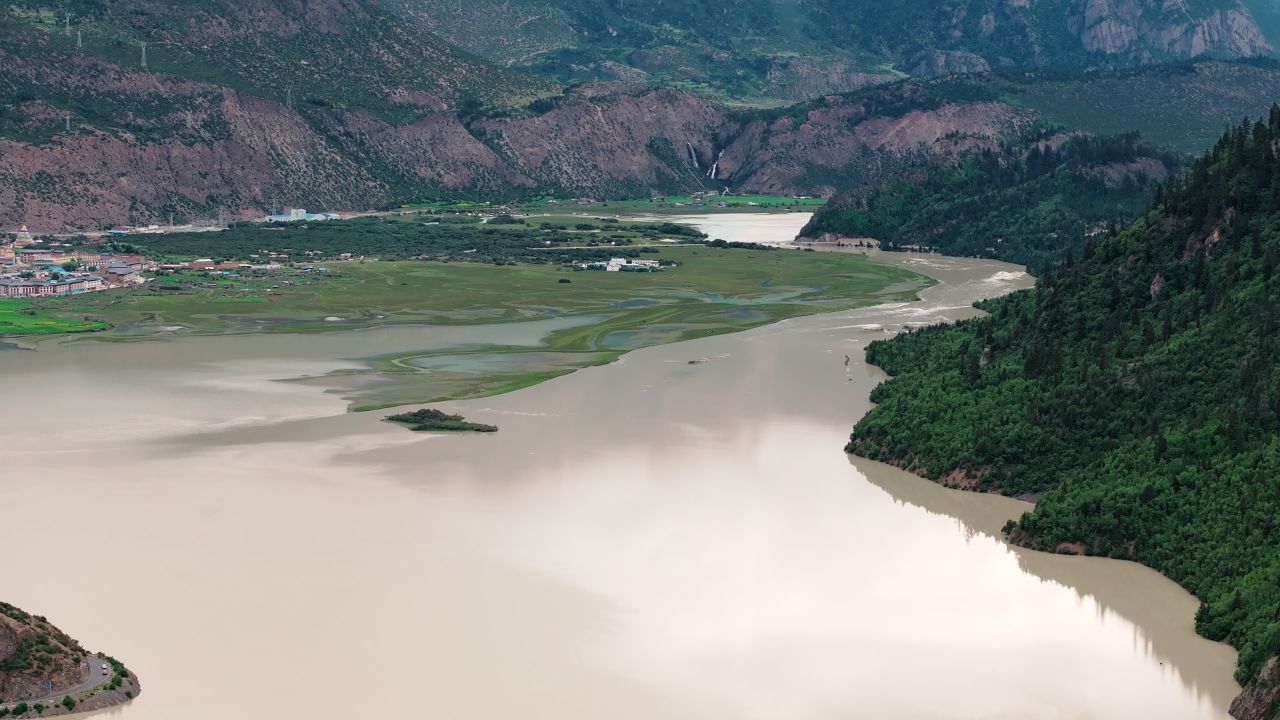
column 1134, row 392
column 1182, row 105
column 1031, row 203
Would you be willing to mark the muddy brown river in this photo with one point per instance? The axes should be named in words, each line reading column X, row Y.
column 649, row 539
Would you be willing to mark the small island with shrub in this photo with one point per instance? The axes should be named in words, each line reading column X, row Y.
column 424, row 420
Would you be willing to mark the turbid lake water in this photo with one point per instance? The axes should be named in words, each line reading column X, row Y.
column 765, row 228
column 648, row 539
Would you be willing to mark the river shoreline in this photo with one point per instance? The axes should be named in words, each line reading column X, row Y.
column 649, row 538
column 1254, row 701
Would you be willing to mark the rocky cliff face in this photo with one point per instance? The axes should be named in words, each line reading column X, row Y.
column 849, row 144
column 1261, row 699
column 1143, row 31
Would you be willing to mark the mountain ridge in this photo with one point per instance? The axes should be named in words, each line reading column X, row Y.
column 249, row 105
column 741, row 48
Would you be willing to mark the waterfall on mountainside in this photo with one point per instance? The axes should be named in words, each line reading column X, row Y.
column 715, row 166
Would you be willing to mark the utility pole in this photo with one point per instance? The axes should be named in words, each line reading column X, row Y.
column 144, row 56
column 288, row 98
column 68, row 123
column 66, row 26
column 79, row 40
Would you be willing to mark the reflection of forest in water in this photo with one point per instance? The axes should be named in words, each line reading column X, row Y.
column 1160, row 612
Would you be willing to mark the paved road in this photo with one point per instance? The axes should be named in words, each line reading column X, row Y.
column 96, row 678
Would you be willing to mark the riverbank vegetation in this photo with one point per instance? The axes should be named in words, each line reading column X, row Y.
column 1135, row 392
column 447, row 236
column 428, row 420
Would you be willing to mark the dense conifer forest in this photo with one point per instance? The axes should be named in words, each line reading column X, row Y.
column 1030, row 204
column 1135, row 393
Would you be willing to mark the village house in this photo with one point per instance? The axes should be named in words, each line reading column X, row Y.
column 621, row 265
column 300, row 215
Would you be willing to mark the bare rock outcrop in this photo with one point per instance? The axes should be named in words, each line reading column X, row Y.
column 1261, row 699
column 1141, row 30
column 935, row 63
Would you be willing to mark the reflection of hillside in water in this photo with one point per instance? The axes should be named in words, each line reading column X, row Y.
column 1161, row 618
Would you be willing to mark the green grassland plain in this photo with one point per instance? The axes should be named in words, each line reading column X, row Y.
column 709, row 292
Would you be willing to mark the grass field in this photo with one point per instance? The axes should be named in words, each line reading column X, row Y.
column 19, row 317
column 711, row 291
column 707, row 280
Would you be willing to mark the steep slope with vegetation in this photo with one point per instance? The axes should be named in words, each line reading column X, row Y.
column 763, row 50
column 1031, row 203
column 44, row 672
column 32, row 651
column 1184, row 105
column 164, row 143
column 347, row 54
column 1135, row 393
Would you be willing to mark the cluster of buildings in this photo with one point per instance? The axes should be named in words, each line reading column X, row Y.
column 27, row 271
column 620, row 265
column 300, row 215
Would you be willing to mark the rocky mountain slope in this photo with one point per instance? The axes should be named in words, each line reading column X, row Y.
column 764, row 49
column 144, row 143
column 246, row 105
column 33, row 651
column 37, row 660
